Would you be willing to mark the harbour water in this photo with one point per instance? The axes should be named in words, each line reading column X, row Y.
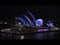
column 38, row 36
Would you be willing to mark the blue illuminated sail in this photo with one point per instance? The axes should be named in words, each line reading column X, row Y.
column 30, row 21
column 39, row 22
column 22, row 20
column 32, row 16
column 50, row 24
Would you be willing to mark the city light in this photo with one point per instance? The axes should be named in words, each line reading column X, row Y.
column 19, row 23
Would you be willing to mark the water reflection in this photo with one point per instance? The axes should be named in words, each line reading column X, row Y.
column 22, row 37
column 46, row 35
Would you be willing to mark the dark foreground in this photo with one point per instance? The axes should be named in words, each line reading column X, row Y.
column 38, row 36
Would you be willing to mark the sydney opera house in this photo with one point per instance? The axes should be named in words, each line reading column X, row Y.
column 24, row 24
column 29, row 25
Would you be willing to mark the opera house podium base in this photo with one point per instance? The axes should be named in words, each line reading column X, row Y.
column 30, row 30
column 30, row 33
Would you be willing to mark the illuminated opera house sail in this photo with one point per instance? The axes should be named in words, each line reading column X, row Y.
column 30, row 24
column 27, row 21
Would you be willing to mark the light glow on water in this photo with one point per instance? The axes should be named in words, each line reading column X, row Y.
column 22, row 37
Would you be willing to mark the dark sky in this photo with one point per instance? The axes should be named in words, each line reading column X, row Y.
column 47, row 12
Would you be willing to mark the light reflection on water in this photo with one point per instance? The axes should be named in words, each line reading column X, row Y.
column 46, row 35
column 49, row 35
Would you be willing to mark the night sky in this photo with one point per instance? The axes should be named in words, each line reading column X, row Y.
column 45, row 12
